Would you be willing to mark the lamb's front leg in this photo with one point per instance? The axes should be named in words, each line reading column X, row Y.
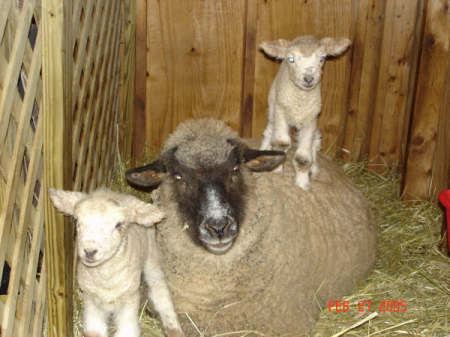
column 281, row 139
column 126, row 317
column 304, row 157
column 160, row 295
column 94, row 319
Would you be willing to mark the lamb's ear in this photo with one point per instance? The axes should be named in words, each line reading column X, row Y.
column 150, row 175
column 65, row 201
column 143, row 213
column 335, row 46
column 263, row 160
column 275, row 48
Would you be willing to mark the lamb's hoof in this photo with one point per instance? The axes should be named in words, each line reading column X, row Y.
column 303, row 182
column 174, row 333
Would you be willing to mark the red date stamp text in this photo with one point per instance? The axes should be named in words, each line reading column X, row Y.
column 369, row 306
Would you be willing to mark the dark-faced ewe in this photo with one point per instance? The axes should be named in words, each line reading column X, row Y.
column 295, row 99
column 116, row 244
column 292, row 252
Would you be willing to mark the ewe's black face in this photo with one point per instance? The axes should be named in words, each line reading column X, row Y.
column 212, row 200
column 210, row 197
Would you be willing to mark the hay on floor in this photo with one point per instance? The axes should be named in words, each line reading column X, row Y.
column 410, row 269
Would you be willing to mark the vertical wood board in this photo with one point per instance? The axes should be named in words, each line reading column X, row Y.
column 195, row 64
column 57, row 65
column 428, row 152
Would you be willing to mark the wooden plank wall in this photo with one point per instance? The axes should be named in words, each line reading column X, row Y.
column 428, row 164
column 22, row 255
column 127, row 77
column 203, row 59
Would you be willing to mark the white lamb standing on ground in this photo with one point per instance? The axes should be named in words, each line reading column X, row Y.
column 116, row 243
column 295, row 99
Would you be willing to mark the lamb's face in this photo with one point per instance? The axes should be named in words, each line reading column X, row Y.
column 305, row 66
column 304, row 57
column 100, row 228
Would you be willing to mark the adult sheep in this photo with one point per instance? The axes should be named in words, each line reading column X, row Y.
column 289, row 251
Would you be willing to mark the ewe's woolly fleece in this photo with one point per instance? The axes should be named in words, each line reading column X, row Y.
column 295, row 249
column 201, row 142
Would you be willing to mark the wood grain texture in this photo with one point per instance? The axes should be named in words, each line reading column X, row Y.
column 127, row 77
column 366, row 48
column 248, row 79
column 141, row 74
column 195, row 64
column 335, row 19
column 57, row 63
column 428, row 151
column 387, row 144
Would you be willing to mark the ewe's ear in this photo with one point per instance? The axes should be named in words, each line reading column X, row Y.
column 335, row 46
column 143, row 213
column 150, row 175
column 275, row 48
column 65, row 201
column 258, row 160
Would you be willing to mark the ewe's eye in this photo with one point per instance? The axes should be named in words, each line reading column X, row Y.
column 291, row 59
column 322, row 58
column 118, row 225
column 177, row 177
column 236, row 168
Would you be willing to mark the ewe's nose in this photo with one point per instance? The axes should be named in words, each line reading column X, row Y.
column 90, row 253
column 308, row 79
column 218, row 228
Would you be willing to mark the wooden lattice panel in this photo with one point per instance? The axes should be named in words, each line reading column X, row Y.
column 96, row 31
column 22, row 299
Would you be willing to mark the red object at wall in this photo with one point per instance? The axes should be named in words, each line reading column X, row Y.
column 444, row 198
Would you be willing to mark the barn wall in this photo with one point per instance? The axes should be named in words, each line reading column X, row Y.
column 203, row 59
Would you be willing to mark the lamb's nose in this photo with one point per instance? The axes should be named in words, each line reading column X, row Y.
column 90, row 253
column 308, row 79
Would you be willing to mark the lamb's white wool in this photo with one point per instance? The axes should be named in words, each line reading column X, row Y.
column 116, row 243
column 295, row 99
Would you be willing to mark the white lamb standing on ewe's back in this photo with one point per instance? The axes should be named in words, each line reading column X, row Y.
column 295, row 99
column 116, row 243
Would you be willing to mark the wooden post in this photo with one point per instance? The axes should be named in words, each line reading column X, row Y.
column 57, row 62
column 427, row 167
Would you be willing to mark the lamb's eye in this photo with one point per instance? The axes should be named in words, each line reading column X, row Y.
column 236, row 168
column 291, row 59
column 322, row 58
column 177, row 177
column 118, row 225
